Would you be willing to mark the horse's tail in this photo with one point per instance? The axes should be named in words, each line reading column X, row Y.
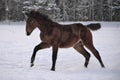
column 94, row 26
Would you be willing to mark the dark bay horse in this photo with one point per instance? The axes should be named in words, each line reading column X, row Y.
column 57, row 36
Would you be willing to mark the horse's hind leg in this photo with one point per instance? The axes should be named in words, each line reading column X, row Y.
column 87, row 40
column 38, row 47
column 96, row 54
column 79, row 47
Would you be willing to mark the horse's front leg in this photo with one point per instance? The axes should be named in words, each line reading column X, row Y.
column 54, row 57
column 38, row 47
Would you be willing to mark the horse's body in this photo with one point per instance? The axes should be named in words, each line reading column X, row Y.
column 66, row 35
column 62, row 36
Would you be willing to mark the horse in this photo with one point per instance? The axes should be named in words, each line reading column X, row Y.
column 55, row 35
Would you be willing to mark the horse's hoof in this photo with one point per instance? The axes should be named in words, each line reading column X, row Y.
column 85, row 65
column 103, row 66
column 52, row 69
column 31, row 65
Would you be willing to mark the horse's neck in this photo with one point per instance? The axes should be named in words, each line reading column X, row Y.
column 45, row 26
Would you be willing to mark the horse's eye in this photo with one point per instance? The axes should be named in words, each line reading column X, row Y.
column 30, row 21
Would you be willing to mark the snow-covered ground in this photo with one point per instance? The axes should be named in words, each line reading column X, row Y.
column 16, row 49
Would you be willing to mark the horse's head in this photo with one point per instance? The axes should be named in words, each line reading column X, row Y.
column 31, row 22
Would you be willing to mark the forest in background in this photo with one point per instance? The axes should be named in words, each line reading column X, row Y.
column 62, row 10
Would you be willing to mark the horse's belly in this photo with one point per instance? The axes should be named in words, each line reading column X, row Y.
column 68, row 44
column 65, row 46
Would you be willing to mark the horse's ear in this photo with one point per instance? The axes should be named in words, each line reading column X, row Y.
column 33, row 13
column 27, row 14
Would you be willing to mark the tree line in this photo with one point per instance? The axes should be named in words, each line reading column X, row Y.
column 62, row 10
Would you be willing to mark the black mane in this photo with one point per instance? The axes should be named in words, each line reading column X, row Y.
column 37, row 14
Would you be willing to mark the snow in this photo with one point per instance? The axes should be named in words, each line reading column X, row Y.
column 16, row 49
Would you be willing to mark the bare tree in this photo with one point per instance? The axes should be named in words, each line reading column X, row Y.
column 7, row 9
column 92, row 10
column 110, row 11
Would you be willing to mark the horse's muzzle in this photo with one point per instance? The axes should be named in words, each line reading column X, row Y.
column 27, row 33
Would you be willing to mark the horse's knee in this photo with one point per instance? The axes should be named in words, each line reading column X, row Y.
column 88, row 56
column 36, row 48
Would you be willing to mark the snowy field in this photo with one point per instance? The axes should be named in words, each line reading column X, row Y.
column 16, row 50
